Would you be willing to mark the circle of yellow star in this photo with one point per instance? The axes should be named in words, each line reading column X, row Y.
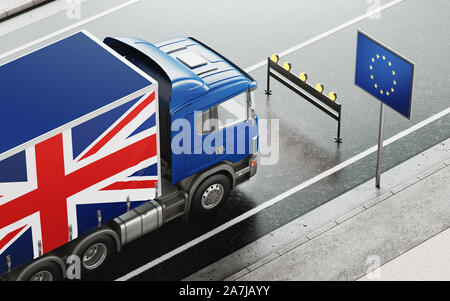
column 387, row 92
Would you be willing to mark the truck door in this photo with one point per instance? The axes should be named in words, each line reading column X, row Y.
column 220, row 133
column 204, row 142
column 232, row 116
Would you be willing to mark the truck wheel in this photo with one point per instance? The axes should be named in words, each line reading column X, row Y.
column 211, row 194
column 95, row 252
column 44, row 271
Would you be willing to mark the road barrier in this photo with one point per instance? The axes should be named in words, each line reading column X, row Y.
column 299, row 85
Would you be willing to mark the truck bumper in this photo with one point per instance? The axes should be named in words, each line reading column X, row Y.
column 253, row 164
column 249, row 171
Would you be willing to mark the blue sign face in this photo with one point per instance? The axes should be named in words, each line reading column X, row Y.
column 384, row 74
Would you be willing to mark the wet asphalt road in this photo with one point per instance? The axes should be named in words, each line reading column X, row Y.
column 247, row 32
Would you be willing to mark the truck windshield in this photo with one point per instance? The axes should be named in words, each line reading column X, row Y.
column 232, row 111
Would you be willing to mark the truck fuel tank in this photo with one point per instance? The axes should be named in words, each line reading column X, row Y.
column 139, row 221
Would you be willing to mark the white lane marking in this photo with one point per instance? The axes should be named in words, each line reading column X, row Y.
column 327, row 33
column 66, row 29
column 280, row 197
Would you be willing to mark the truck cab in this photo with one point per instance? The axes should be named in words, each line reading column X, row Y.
column 206, row 108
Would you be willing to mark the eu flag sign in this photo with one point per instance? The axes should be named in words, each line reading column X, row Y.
column 387, row 76
column 384, row 74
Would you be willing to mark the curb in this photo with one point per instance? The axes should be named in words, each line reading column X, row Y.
column 19, row 7
column 338, row 221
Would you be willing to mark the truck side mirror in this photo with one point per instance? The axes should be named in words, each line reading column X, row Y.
column 251, row 108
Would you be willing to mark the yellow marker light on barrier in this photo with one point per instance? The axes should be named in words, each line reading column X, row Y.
column 332, row 96
column 287, row 66
column 275, row 58
column 319, row 87
column 303, row 77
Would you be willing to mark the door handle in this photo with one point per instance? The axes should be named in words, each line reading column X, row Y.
column 220, row 150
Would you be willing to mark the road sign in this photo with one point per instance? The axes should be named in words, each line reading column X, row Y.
column 387, row 76
column 384, row 74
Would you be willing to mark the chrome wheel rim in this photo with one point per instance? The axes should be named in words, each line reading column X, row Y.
column 95, row 256
column 212, row 196
column 42, row 276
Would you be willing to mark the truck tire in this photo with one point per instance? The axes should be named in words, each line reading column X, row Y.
column 211, row 194
column 94, row 252
column 43, row 271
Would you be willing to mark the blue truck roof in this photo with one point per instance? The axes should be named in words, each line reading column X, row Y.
column 60, row 83
column 195, row 70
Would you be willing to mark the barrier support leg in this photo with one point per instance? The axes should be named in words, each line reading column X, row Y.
column 338, row 139
column 268, row 91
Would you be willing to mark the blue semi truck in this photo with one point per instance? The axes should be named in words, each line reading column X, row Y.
column 103, row 142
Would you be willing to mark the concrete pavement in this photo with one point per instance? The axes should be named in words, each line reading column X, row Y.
column 429, row 261
column 12, row 7
column 398, row 235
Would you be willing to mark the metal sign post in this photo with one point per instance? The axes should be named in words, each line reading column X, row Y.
column 380, row 146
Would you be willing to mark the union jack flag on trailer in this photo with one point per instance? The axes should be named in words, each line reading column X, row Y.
column 79, row 172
